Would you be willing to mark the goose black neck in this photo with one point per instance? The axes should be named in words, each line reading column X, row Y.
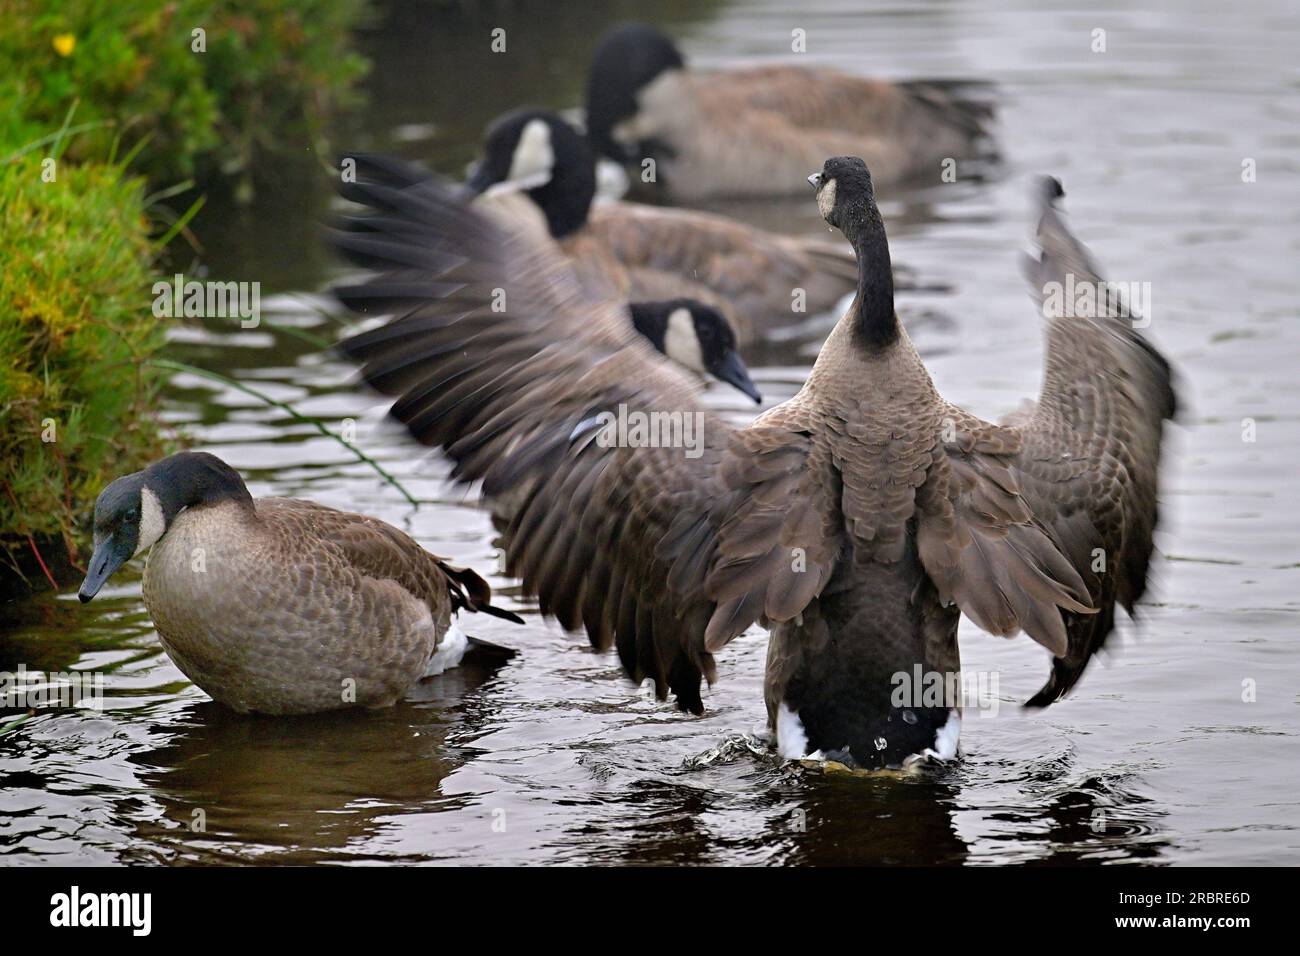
column 877, row 323
column 566, row 199
column 191, row 479
column 651, row 321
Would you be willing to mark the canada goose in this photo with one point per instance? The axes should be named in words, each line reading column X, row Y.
column 697, row 337
column 757, row 131
column 856, row 520
column 758, row 279
column 280, row 606
column 692, row 333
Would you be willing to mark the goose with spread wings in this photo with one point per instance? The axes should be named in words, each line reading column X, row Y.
column 856, row 521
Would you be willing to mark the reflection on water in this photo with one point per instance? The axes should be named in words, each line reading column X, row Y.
column 1178, row 747
column 287, row 790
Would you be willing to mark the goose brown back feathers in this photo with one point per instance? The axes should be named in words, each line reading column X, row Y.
column 756, row 131
column 376, row 549
column 640, row 252
column 749, row 274
column 846, row 518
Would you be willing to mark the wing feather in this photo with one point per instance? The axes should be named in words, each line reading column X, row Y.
column 667, row 553
column 1043, row 523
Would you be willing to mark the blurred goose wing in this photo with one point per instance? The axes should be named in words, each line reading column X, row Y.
column 1091, row 457
column 669, row 552
column 1058, row 505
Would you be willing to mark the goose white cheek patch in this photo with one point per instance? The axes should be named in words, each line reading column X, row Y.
column 152, row 522
column 826, row 199
column 681, row 344
column 534, row 157
column 657, row 104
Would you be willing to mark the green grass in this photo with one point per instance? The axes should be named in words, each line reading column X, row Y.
column 77, row 397
column 269, row 74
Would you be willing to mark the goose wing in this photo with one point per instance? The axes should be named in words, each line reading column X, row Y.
column 807, row 99
column 1091, row 457
column 666, row 552
column 755, row 271
column 376, row 549
column 815, row 101
column 1043, row 523
column 432, row 254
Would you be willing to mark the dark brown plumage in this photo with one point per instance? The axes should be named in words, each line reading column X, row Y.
column 855, row 520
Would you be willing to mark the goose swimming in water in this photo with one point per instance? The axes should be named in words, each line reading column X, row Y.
column 857, row 520
column 757, row 131
column 279, row 605
column 671, row 316
column 758, row 279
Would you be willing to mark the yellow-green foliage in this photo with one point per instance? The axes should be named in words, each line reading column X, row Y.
column 75, row 325
column 268, row 73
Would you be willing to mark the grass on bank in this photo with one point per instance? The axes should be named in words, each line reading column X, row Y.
column 77, row 397
column 267, row 75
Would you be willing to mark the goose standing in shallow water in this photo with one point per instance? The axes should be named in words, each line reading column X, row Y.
column 278, row 605
column 856, row 520
column 759, row 280
column 757, row 131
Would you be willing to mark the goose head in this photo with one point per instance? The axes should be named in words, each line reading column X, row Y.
column 135, row 511
column 847, row 201
column 628, row 59
column 128, row 519
column 696, row 336
column 846, row 197
column 538, row 153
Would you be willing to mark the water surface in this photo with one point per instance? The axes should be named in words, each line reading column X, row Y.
column 555, row 758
